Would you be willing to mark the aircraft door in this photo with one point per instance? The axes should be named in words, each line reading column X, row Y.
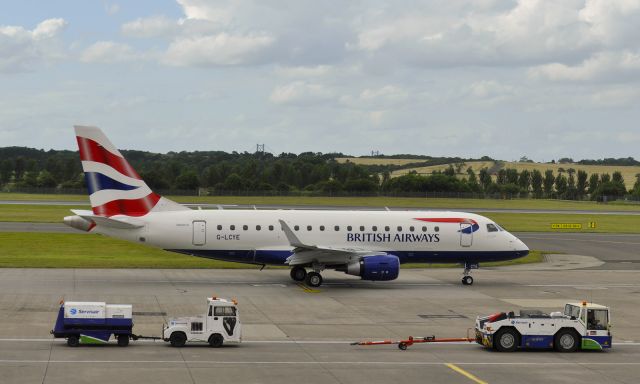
column 199, row 232
column 466, row 234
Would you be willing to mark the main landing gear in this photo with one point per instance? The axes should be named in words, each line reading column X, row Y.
column 312, row 279
column 467, row 279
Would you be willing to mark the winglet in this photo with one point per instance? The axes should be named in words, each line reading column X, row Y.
column 293, row 239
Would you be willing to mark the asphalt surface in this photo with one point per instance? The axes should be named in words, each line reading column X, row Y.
column 295, row 334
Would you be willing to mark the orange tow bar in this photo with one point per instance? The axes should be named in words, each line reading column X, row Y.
column 403, row 344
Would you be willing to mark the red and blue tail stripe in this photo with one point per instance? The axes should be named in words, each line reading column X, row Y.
column 115, row 188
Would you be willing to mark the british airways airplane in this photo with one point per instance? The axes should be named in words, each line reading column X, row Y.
column 369, row 244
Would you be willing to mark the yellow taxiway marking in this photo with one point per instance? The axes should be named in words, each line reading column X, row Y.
column 465, row 373
column 307, row 289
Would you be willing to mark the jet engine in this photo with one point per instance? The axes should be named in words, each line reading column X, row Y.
column 375, row 268
column 78, row 222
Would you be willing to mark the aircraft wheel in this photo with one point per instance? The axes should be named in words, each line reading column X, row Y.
column 298, row 273
column 314, row 279
column 402, row 346
column 467, row 280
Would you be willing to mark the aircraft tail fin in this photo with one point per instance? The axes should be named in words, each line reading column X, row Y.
column 115, row 188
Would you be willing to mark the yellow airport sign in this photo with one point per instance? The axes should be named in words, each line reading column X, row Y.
column 566, row 226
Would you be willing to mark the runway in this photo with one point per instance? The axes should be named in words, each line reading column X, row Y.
column 290, row 332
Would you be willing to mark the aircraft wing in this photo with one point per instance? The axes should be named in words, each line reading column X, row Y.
column 304, row 254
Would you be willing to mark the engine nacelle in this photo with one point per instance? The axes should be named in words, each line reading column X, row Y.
column 375, row 268
column 80, row 223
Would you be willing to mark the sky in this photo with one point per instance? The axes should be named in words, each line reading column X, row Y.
column 468, row 78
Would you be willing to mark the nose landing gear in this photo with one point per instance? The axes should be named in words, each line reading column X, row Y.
column 467, row 279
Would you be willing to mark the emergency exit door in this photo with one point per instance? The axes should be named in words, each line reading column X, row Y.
column 466, row 234
column 199, row 232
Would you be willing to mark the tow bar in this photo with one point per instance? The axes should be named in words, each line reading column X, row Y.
column 403, row 344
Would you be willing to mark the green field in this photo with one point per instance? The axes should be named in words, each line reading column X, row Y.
column 56, row 250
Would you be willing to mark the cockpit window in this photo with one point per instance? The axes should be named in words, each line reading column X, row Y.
column 492, row 228
column 499, row 227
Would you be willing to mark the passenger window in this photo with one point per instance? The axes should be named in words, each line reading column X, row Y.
column 322, row 228
column 296, row 227
column 349, row 228
column 491, row 228
column 336, row 228
column 399, row 228
column 437, row 229
column 386, row 228
column 245, row 227
column 308, row 227
column 411, row 228
column 362, row 228
column 424, row 229
column 232, row 227
column 271, row 227
column 374, row 228
column 219, row 227
column 258, row 227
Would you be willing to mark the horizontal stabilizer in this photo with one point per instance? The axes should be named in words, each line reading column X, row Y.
column 120, row 223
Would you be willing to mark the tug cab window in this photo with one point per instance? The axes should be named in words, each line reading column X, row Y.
column 224, row 311
column 492, row 228
column 597, row 319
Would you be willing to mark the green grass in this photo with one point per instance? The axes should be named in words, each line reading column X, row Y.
column 55, row 250
column 413, row 202
column 36, row 213
column 541, row 222
column 58, row 250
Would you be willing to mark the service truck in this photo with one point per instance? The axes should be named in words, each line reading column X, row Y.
column 580, row 326
column 219, row 324
column 93, row 323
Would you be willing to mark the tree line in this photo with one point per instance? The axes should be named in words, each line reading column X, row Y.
column 221, row 172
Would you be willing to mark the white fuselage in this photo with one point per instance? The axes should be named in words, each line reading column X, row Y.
column 256, row 236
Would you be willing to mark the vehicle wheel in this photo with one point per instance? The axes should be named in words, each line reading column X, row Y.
column 178, row 339
column 73, row 341
column 506, row 340
column 566, row 341
column 313, row 279
column 402, row 346
column 216, row 340
column 298, row 273
column 467, row 280
column 123, row 340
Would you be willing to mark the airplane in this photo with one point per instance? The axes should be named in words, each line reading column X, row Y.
column 368, row 244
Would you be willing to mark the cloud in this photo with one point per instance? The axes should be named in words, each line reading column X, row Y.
column 22, row 49
column 217, row 50
column 108, row 52
column 153, row 26
column 300, row 93
column 602, row 66
column 111, row 8
column 303, row 71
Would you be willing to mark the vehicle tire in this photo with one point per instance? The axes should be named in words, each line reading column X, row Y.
column 178, row 339
column 467, row 280
column 402, row 346
column 506, row 340
column 314, row 279
column 298, row 273
column 123, row 340
column 566, row 340
column 73, row 341
column 216, row 340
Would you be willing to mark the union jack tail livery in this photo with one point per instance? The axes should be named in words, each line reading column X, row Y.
column 114, row 186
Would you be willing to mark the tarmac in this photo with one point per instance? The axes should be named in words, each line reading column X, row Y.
column 293, row 333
